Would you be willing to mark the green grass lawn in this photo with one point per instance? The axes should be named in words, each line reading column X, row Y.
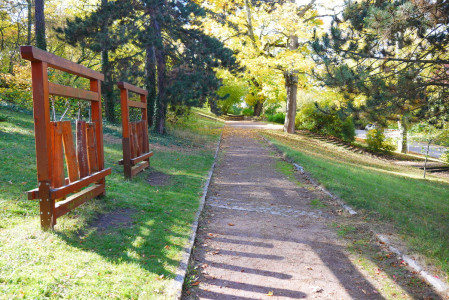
column 137, row 254
column 418, row 208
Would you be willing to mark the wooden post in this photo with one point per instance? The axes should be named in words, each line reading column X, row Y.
column 41, row 111
column 126, row 141
column 135, row 134
column 95, row 86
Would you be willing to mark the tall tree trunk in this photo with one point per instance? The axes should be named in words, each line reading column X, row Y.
column 258, row 108
column 150, row 82
column 161, row 101
column 107, row 87
column 250, row 24
column 29, row 20
column 107, row 84
column 40, row 24
column 404, row 134
column 291, row 85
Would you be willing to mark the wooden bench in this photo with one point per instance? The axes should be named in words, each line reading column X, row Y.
column 136, row 153
column 85, row 162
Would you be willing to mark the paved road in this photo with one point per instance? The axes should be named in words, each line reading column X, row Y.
column 417, row 147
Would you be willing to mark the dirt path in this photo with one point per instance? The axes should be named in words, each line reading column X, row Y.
column 260, row 238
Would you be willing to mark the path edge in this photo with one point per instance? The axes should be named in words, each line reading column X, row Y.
column 184, row 263
column 439, row 285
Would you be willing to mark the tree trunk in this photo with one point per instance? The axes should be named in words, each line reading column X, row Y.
column 291, row 84
column 107, row 84
column 107, row 87
column 150, row 82
column 427, row 155
column 40, row 24
column 250, row 24
column 161, row 101
column 404, row 138
column 29, row 21
column 258, row 108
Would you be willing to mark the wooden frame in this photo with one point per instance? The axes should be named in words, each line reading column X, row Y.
column 135, row 134
column 54, row 137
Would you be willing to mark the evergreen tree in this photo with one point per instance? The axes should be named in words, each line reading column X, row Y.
column 95, row 32
column 392, row 52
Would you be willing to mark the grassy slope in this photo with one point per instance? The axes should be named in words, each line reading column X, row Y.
column 77, row 260
column 385, row 192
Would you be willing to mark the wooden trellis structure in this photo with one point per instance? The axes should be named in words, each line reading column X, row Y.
column 136, row 153
column 85, row 162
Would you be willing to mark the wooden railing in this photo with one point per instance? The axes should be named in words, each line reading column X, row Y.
column 135, row 134
column 85, row 162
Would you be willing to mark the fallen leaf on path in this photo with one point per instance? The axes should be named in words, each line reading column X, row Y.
column 195, row 283
column 270, row 293
column 230, row 224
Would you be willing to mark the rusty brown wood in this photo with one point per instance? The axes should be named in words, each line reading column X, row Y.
column 92, row 148
column 70, row 152
column 135, row 161
column 135, row 139
column 139, row 168
column 81, row 148
column 132, row 88
column 53, row 139
column 77, row 185
column 96, row 118
column 77, row 199
column 136, row 104
column 34, row 54
column 135, row 134
column 57, row 178
column 41, row 112
column 126, row 141
column 70, row 92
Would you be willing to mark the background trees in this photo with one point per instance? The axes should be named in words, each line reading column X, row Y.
column 271, row 44
column 154, row 42
column 393, row 53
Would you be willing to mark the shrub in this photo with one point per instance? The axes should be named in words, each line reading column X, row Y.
column 445, row 156
column 248, row 111
column 376, row 141
column 235, row 110
column 310, row 118
column 277, row 118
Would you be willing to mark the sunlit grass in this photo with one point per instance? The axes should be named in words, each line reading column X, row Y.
column 134, row 259
column 417, row 207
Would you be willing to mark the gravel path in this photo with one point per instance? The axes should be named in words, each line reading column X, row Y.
column 261, row 239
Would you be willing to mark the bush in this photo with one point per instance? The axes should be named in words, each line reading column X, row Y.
column 376, row 141
column 248, row 112
column 277, row 118
column 310, row 118
column 235, row 110
column 445, row 156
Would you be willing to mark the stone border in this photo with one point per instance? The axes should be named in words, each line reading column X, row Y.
column 313, row 181
column 184, row 263
column 432, row 280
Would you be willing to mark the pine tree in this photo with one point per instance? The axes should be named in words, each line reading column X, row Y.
column 394, row 54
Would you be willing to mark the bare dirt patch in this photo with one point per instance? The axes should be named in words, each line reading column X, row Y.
column 158, row 178
column 119, row 218
column 111, row 140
